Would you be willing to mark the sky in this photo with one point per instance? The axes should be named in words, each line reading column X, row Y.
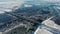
column 9, row 3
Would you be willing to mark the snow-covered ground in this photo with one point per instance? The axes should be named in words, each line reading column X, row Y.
column 49, row 23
